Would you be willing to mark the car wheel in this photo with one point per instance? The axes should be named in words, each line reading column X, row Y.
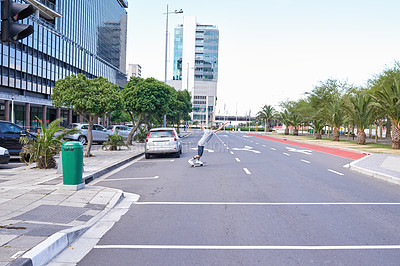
column 147, row 156
column 180, row 151
column 82, row 139
column 178, row 154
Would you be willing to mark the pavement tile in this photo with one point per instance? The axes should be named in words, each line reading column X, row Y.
column 4, row 239
column 25, row 242
column 6, row 253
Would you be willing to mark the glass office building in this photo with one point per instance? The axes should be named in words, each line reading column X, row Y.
column 70, row 37
column 195, row 65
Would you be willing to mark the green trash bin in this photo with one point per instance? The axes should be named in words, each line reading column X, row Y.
column 72, row 162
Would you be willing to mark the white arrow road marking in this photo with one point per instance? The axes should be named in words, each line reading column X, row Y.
column 332, row 171
column 308, row 152
column 244, row 149
column 131, row 178
column 248, row 147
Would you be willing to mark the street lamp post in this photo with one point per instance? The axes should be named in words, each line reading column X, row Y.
column 12, row 109
column 166, row 51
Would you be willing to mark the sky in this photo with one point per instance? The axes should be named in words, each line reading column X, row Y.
column 271, row 51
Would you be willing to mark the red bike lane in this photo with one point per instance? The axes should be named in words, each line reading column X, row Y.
column 330, row 150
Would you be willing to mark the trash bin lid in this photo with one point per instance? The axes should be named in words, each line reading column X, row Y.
column 72, row 144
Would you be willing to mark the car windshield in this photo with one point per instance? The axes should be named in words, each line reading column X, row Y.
column 110, row 127
column 161, row 134
column 70, row 126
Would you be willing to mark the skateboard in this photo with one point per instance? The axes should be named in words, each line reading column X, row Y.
column 195, row 163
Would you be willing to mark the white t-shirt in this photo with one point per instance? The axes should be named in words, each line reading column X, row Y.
column 207, row 135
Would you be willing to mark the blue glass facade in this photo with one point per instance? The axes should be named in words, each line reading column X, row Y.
column 206, row 53
column 89, row 38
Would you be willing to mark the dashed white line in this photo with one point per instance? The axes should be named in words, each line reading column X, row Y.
column 231, row 152
column 304, row 161
column 130, row 178
column 237, row 159
column 273, row 149
column 247, row 171
column 264, row 146
column 332, row 171
column 287, row 154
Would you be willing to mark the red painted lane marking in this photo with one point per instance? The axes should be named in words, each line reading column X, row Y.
column 329, row 150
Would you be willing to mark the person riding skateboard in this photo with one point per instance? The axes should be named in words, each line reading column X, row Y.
column 207, row 135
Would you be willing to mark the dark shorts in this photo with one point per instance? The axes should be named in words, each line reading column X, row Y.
column 200, row 150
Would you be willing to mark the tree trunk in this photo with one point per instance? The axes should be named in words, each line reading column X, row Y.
column 361, row 137
column 287, row 131
column 134, row 128
column 295, row 131
column 329, row 132
column 376, row 133
column 90, row 136
column 336, row 134
column 396, row 137
column 319, row 136
column 267, row 126
column 389, row 128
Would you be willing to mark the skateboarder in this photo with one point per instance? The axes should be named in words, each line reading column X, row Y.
column 207, row 135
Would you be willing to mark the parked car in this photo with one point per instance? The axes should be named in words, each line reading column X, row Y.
column 4, row 156
column 122, row 130
column 99, row 133
column 9, row 137
column 163, row 141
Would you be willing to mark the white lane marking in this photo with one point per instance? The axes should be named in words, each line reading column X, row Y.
column 246, row 148
column 257, row 143
column 264, row 146
column 209, row 150
column 237, row 159
column 287, row 154
column 308, row 152
column 332, row 171
column 262, row 203
column 131, row 178
column 231, row 152
column 304, row 161
column 355, row 247
column 273, row 149
column 247, row 171
column 227, row 148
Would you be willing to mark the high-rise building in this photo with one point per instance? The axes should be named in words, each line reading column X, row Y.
column 70, row 37
column 195, row 66
column 134, row 70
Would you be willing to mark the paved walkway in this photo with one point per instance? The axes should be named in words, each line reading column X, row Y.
column 36, row 208
column 39, row 216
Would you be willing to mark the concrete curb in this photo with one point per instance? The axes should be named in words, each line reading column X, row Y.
column 89, row 178
column 372, row 173
column 52, row 246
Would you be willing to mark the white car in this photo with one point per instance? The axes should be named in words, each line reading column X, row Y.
column 122, row 130
column 99, row 133
column 4, row 156
column 163, row 141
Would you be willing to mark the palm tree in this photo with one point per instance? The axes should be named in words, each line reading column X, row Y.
column 284, row 117
column 266, row 114
column 317, row 125
column 296, row 121
column 43, row 149
column 388, row 100
column 334, row 115
column 361, row 112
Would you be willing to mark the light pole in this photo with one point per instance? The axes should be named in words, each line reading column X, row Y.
column 166, row 51
column 12, row 109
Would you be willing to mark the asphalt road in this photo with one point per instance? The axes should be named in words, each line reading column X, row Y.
column 255, row 202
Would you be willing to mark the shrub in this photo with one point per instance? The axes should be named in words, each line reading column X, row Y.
column 141, row 134
column 115, row 142
column 43, row 149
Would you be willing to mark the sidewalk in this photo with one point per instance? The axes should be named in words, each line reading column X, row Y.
column 37, row 210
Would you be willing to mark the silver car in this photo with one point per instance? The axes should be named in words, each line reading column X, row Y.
column 99, row 133
column 163, row 141
column 122, row 130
